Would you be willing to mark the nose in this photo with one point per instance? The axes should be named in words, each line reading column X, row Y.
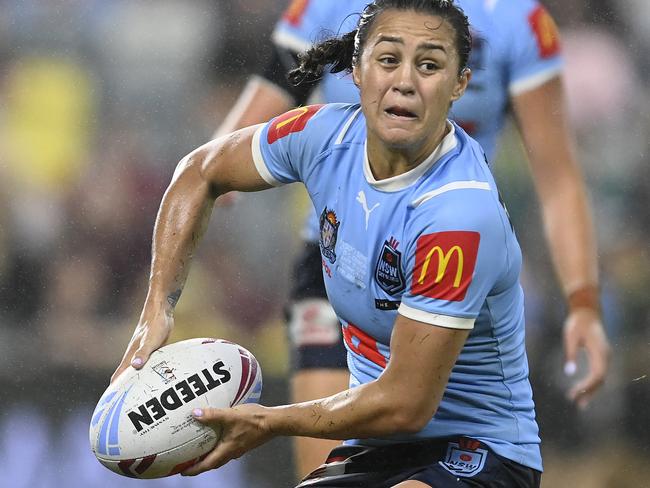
column 404, row 82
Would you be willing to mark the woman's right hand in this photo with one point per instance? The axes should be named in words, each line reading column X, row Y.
column 150, row 334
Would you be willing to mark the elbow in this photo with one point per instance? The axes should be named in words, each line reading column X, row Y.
column 191, row 173
column 412, row 418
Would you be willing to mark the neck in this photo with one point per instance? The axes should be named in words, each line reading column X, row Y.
column 386, row 161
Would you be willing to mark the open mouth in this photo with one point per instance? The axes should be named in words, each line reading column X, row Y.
column 400, row 112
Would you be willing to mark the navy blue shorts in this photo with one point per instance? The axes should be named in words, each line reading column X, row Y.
column 440, row 463
column 319, row 344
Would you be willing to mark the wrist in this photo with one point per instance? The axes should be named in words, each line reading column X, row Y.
column 586, row 296
column 275, row 421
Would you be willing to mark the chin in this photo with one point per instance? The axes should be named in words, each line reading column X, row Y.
column 399, row 140
column 399, row 144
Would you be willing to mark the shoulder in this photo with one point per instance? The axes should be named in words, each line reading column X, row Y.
column 523, row 20
column 469, row 204
column 461, row 191
column 530, row 42
column 285, row 148
column 322, row 122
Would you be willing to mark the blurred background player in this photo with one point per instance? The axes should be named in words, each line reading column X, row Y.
column 516, row 64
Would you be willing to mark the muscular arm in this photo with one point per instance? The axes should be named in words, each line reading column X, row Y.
column 568, row 225
column 219, row 166
column 403, row 399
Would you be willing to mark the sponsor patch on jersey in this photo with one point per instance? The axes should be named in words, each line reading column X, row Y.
column 444, row 264
column 463, row 461
column 292, row 121
column 329, row 229
column 295, row 11
column 546, row 32
column 388, row 271
column 386, row 305
column 352, row 265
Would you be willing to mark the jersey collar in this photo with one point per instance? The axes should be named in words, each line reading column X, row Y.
column 399, row 182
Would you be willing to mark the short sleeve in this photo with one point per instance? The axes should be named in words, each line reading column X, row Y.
column 534, row 44
column 285, row 148
column 455, row 255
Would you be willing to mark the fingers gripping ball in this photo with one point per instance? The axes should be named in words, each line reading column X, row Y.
column 143, row 427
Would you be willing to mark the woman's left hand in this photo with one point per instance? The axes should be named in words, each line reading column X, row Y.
column 583, row 329
column 242, row 428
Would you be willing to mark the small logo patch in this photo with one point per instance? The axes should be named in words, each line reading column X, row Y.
column 295, row 12
column 386, row 304
column 444, row 264
column 329, row 228
column 546, row 32
column 464, row 462
column 361, row 198
column 388, row 271
column 164, row 371
column 293, row 121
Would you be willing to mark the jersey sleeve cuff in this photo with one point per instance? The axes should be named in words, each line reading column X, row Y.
column 258, row 159
column 435, row 318
column 531, row 82
column 289, row 41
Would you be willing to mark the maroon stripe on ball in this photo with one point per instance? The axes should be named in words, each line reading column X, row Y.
column 145, row 463
column 253, row 375
column 124, row 467
column 245, row 367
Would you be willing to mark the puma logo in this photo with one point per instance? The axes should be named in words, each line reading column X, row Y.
column 361, row 198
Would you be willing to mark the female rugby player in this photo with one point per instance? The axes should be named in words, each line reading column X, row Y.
column 426, row 284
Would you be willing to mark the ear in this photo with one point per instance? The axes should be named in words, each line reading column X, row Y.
column 356, row 77
column 461, row 84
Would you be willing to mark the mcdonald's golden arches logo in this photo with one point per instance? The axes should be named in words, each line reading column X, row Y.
column 295, row 11
column 546, row 32
column 444, row 264
column 292, row 121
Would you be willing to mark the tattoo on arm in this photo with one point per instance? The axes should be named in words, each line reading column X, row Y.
column 173, row 298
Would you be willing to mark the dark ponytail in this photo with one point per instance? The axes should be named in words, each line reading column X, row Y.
column 336, row 52
column 342, row 53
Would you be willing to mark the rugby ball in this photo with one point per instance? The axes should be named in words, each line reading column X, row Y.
column 143, row 427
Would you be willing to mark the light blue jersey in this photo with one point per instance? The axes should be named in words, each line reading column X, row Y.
column 433, row 244
column 515, row 48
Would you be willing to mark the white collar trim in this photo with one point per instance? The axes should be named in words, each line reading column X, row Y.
column 404, row 180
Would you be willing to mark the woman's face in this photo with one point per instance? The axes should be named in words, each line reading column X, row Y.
column 408, row 76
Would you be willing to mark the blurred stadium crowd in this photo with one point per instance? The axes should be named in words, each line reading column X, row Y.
column 98, row 101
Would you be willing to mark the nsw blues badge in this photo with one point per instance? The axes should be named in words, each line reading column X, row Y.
column 464, row 459
column 329, row 228
column 388, row 272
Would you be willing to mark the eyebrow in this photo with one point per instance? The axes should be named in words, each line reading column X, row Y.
column 399, row 40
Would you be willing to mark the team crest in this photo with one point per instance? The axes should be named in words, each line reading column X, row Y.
column 464, row 461
column 329, row 228
column 388, row 271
